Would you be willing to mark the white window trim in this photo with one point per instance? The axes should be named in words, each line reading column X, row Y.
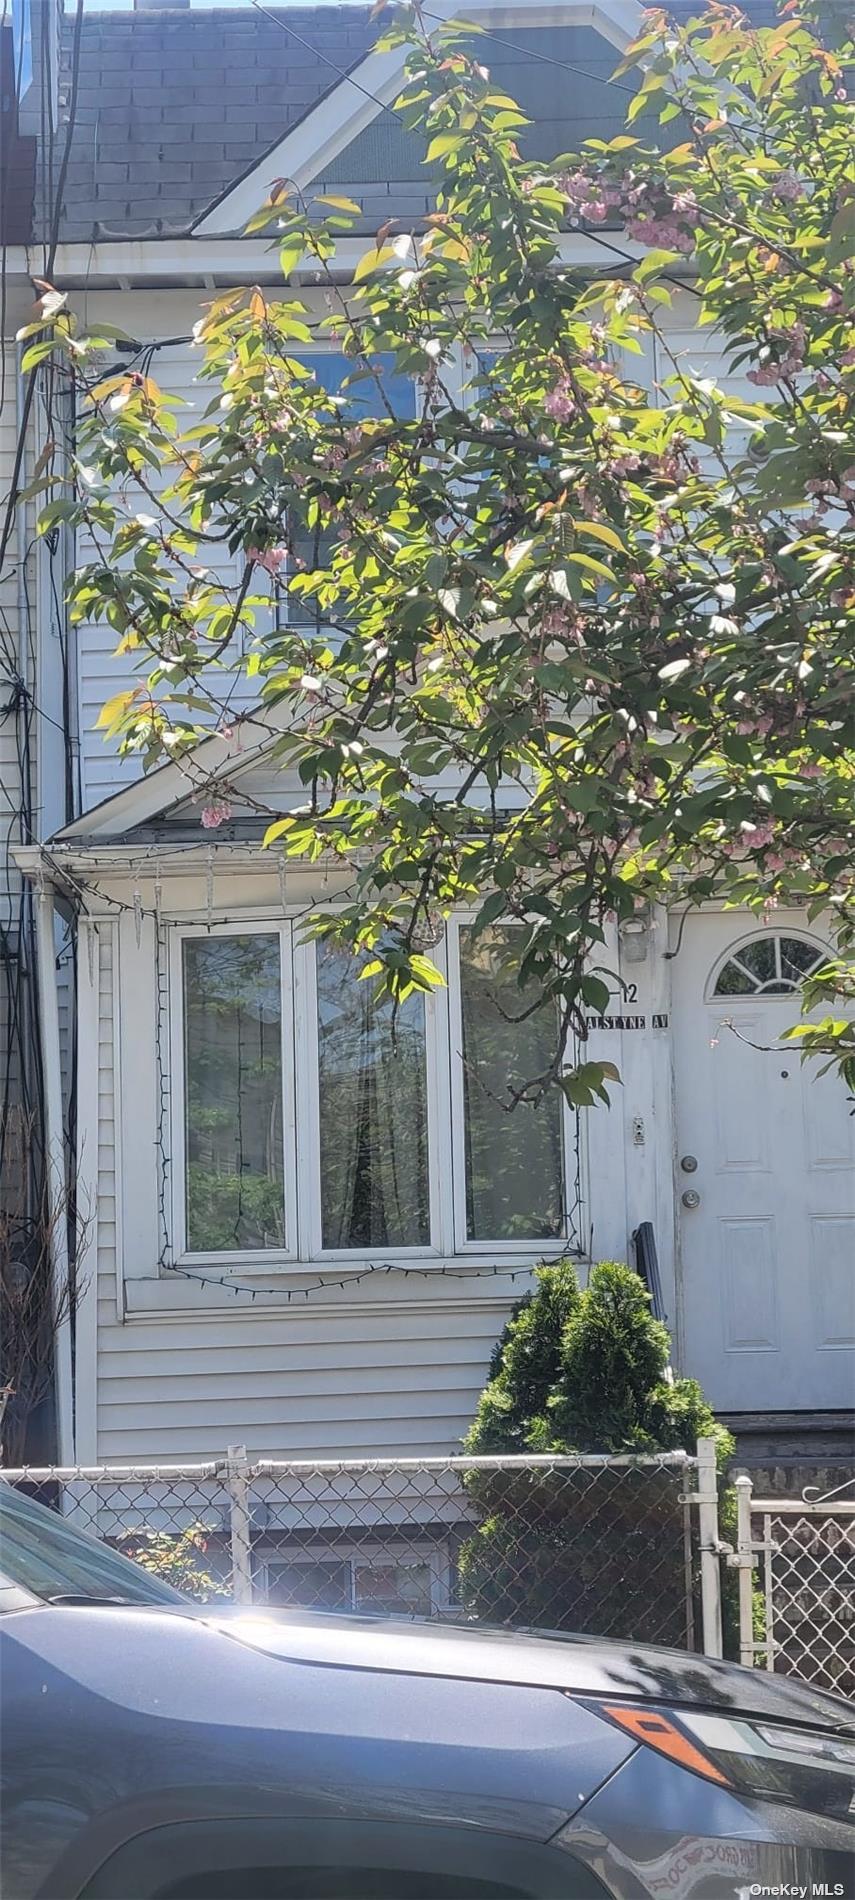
column 530, row 1249
column 268, row 1259
column 304, row 1251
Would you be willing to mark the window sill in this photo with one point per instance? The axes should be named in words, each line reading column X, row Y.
column 472, row 1256
column 456, row 1280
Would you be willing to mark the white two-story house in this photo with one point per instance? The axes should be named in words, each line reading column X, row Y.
column 300, row 1236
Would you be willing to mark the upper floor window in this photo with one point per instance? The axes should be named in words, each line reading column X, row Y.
column 310, row 1119
column 364, row 394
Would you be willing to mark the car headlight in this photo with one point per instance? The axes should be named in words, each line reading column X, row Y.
column 809, row 1768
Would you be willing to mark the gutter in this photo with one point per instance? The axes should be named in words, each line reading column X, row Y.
column 208, row 262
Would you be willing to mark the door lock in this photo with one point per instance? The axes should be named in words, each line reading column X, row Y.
column 689, row 1164
column 690, row 1198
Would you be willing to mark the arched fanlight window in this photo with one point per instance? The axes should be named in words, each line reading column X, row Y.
column 768, row 965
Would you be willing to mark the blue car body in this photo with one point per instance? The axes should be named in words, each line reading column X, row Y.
column 158, row 1750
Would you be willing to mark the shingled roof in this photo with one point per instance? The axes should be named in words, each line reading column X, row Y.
column 175, row 106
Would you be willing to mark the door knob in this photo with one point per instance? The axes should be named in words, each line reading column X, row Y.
column 689, row 1163
column 690, row 1198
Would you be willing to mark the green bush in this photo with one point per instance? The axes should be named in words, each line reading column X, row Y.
column 585, row 1371
column 177, row 1557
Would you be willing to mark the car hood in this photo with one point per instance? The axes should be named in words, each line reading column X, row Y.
column 579, row 1665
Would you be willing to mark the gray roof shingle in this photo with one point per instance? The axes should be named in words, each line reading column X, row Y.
column 175, row 106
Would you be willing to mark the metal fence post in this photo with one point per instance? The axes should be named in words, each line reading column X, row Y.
column 237, row 1481
column 745, row 1563
column 707, row 1497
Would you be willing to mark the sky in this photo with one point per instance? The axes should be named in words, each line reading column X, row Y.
column 127, row 6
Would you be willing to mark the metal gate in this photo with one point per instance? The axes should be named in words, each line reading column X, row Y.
column 801, row 1622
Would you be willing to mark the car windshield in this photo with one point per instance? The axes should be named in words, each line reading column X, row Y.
column 41, row 1552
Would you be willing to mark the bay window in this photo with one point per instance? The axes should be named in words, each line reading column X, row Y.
column 311, row 1120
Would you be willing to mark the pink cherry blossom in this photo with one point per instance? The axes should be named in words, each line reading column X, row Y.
column 559, row 402
column 754, row 837
column 215, row 814
column 787, row 188
column 562, row 624
column 271, row 559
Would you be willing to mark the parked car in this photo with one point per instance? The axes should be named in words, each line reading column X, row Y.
column 156, row 1749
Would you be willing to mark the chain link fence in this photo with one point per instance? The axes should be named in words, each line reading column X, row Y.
column 608, row 1546
column 803, row 1551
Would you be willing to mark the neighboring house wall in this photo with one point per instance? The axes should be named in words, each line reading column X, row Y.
column 19, row 741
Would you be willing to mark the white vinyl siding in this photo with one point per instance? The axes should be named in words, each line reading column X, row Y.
column 101, row 673
column 402, row 1377
column 386, row 1367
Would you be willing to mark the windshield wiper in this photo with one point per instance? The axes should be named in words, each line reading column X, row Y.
column 74, row 1597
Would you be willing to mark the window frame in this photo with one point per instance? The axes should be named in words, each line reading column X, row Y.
column 778, row 931
column 445, row 1099
column 264, row 1258
column 537, row 1249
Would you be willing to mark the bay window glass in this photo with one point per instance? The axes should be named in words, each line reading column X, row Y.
column 513, row 1156
column 373, row 1112
column 233, row 1144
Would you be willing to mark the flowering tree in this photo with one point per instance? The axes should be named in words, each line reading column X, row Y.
column 614, row 619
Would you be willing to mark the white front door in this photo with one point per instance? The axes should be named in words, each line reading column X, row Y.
column 767, row 1216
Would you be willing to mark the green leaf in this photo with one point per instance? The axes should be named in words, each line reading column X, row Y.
column 277, row 830
column 443, row 145
column 340, row 204
column 291, row 251
column 653, row 263
column 591, row 566
column 841, row 236
column 600, row 532
column 371, row 261
column 113, row 712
